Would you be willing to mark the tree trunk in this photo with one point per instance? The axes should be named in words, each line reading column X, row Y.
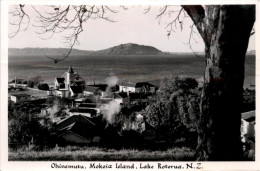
column 226, row 32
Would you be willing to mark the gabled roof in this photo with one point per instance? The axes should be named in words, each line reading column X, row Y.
column 88, row 105
column 76, row 89
column 60, row 80
column 21, row 95
column 102, row 87
column 141, row 84
column 138, row 84
column 128, row 84
column 248, row 116
column 91, row 89
column 121, row 95
column 78, row 110
column 79, row 125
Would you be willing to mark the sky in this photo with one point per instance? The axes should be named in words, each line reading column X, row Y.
column 131, row 26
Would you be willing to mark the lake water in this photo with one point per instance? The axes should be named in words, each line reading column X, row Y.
column 126, row 68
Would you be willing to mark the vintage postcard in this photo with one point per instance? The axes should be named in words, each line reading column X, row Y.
column 127, row 85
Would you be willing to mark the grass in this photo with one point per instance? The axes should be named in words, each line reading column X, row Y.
column 73, row 153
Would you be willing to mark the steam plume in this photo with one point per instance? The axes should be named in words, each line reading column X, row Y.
column 110, row 109
column 112, row 80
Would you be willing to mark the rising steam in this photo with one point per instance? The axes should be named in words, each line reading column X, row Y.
column 111, row 80
column 110, row 109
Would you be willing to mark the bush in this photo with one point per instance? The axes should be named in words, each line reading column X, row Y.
column 248, row 100
column 43, row 86
column 30, row 84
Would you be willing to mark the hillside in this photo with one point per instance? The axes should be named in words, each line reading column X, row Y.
column 45, row 51
column 123, row 49
column 129, row 49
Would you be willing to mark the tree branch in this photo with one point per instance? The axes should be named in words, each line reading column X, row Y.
column 197, row 14
column 22, row 15
column 69, row 19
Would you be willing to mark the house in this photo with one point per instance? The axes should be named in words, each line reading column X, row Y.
column 59, row 83
column 76, row 91
column 79, row 129
column 122, row 98
column 138, row 98
column 248, row 125
column 20, row 98
column 126, row 99
column 69, row 84
column 127, row 87
column 83, row 112
column 139, row 87
column 92, row 90
column 62, row 93
column 102, row 90
column 90, row 106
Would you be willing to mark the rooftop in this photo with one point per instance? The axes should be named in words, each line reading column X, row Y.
column 21, row 95
column 92, row 89
column 102, row 87
column 93, row 105
column 76, row 89
column 248, row 116
column 60, row 80
column 82, row 110
column 138, row 84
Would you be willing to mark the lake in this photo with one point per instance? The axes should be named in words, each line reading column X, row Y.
column 126, row 68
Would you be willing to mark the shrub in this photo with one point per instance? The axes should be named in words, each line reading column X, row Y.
column 43, row 86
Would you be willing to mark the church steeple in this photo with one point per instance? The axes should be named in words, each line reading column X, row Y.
column 70, row 70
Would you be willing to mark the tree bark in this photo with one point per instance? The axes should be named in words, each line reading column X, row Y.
column 226, row 32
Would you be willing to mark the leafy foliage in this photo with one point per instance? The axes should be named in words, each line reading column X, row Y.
column 175, row 109
column 25, row 125
column 43, row 86
column 248, row 100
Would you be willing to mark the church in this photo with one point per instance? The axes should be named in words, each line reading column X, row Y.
column 69, row 84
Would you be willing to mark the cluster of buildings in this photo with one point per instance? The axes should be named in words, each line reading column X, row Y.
column 83, row 123
column 88, row 104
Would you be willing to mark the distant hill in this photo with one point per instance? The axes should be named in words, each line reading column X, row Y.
column 45, row 51
column 130, row 49
column 123, row 49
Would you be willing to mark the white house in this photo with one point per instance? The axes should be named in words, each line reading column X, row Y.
column 20, row 98
column 248, row 125
column 139, row 87
column 101, row 90
column 92, row 90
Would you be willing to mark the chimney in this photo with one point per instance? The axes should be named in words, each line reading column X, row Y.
column 15, row 82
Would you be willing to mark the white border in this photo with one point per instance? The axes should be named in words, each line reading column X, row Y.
column 5, row 165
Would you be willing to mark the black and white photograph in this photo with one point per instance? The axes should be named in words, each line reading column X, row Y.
column 129, row 86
